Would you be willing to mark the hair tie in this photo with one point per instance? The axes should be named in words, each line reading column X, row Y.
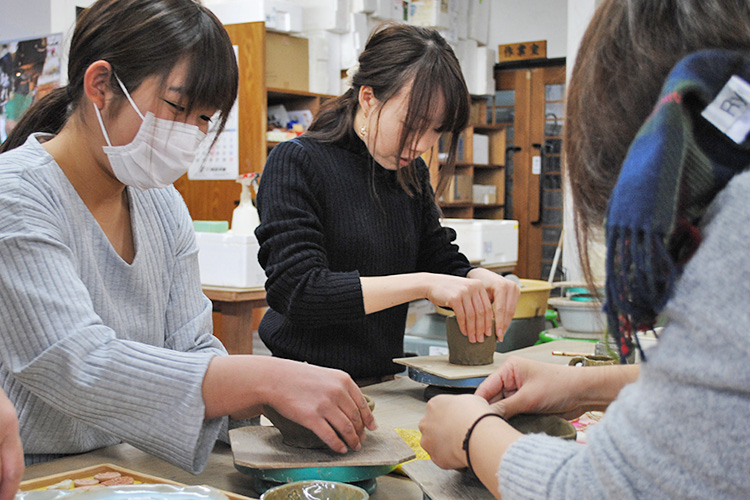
column 465, row 445
column 349, row 81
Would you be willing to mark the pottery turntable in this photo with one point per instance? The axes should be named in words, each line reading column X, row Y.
column 443, row 377
column 260, row 453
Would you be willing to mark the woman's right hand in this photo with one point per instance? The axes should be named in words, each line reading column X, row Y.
column 11, row 451
column 467, row 298
column 326, row 401
column 521, row 385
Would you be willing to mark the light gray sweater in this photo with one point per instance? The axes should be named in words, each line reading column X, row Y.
column 681, row 430
column 93, row 350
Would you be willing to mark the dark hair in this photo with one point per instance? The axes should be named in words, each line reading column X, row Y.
column 141, row 38
column 625, row 55
column 396, row 54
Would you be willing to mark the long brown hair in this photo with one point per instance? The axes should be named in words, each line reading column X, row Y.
column 395, row 55
column 625, row 55
column 141, row 38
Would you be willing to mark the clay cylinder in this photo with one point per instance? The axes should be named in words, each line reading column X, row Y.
column 463, row 352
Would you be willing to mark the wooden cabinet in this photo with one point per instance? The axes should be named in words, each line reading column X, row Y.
column 530, row 101
column 294, row 100
column 480, row 162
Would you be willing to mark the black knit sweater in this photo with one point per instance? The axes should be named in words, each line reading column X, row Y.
column 329, row 215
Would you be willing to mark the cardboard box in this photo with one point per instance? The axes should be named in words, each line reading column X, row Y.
column 488, row 242
column 230, row 260
column 287, row 65
column 459, row 189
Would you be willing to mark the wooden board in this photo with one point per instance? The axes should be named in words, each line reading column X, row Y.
column 261, row 447
column 439, row 365
column 42, row 482
column 439, row 484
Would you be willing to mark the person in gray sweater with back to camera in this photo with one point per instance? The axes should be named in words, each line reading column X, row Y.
column 657, row 151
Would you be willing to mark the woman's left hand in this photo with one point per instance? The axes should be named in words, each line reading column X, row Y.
column 444, row 427
column 504, row 295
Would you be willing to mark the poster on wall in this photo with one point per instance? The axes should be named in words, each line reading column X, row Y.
column 29, row 70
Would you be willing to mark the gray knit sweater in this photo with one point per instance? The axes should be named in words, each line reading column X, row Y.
column 95, row 351
column 681, row 430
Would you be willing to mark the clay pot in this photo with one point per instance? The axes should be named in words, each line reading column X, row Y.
column 463, row 352
column 543, row 424
column 295, row 434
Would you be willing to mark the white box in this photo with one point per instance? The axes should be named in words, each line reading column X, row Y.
column 481, row 149
column 487, row 242
column 484, row 194
column 366, row 6
column 231, row 260
column 330, row 15
column 389, row 9
column 284, row 17
column 467, row 56
column 479, row 20
column 485, row 78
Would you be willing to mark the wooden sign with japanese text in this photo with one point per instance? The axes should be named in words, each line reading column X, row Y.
column 522, row 51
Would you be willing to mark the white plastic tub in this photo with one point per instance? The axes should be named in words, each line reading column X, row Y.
column 229, row 260
column 585, row 317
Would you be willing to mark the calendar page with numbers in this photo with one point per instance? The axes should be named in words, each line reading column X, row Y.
column 222, row 161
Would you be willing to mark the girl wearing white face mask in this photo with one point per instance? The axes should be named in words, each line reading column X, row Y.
column 107, row 336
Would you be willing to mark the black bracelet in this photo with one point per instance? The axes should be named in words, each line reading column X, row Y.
column 465, row 445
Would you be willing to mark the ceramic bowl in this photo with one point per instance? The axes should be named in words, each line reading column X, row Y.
column 543, row 424
column 463, row 352
column 295, row 434
column 315, row 490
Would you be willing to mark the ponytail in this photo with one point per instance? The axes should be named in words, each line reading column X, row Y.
column 336, row 118
column 48, row 114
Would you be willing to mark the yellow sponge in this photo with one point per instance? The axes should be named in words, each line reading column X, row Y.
column 412, row 438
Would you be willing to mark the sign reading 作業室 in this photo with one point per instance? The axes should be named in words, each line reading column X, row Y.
column 522, row 51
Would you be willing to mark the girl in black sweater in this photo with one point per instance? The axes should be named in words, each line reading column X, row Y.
column 350, row 231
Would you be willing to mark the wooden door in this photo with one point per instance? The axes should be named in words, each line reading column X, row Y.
column 531, row 102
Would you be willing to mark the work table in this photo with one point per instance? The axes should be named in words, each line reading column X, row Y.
column 398, row 404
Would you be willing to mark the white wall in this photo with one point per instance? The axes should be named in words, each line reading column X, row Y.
column 24, row 19
column 513, row 21
column 579, row 16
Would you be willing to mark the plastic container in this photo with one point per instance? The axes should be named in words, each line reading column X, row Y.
column 488, row 242
column 533, row 300
column 229, row 260
column 245, row 216
column 580, row 316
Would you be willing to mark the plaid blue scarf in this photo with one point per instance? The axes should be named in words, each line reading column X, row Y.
column 674, row 168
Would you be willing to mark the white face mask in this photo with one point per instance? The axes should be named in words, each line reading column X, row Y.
column 159, row 154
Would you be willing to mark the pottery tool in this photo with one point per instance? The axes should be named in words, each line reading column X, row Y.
column 571, row 354
column 259, row 452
